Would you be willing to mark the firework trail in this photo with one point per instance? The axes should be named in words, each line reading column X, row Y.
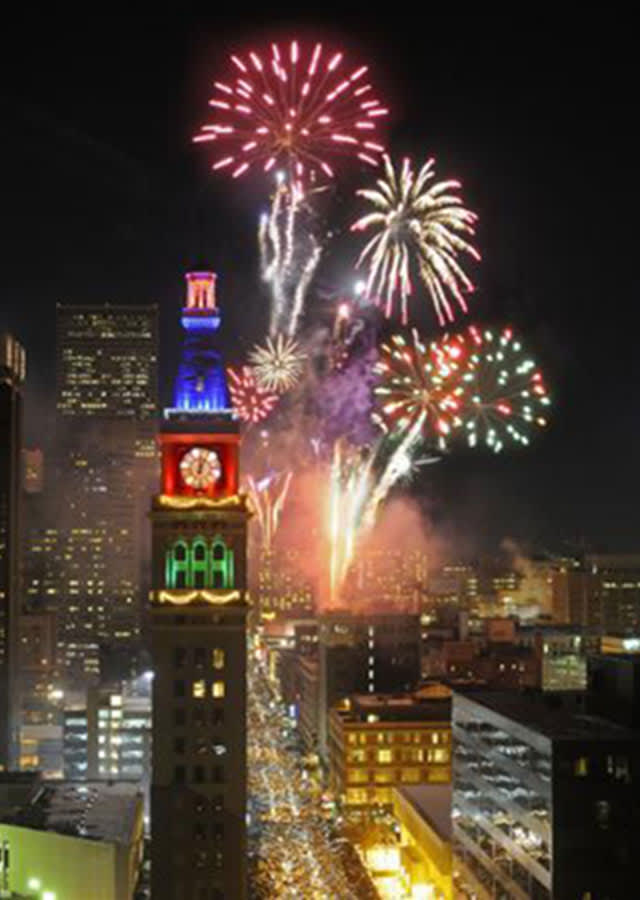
column 398, row 464
column 268, row 496
column 290, row 252
column 295, row 107
column 358, row 485
column 416, row 226
column 349, row 486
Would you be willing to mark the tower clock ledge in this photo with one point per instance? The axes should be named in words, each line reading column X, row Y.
column 180, row 503
column 198, row 597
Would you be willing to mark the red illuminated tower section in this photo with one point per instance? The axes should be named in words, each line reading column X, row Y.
column 198, row 626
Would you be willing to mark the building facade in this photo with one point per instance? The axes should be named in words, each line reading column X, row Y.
column 12, row 377
column 423, row 814
column 378, row 741
column 198, row 625
column 64, row 841
column 375, row 653
column 545, row 799
column 109, row 737
column 107, row 404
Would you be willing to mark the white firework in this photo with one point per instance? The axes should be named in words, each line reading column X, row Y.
column 421, row 224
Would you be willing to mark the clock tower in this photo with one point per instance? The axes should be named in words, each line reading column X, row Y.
column 198, row 627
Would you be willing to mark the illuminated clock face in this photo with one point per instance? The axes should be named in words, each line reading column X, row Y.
column 200, row 468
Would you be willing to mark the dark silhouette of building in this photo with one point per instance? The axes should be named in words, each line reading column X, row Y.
column 614, row 688
column 198, row 628
column 12, row 377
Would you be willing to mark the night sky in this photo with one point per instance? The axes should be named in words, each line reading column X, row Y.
column 104, row 198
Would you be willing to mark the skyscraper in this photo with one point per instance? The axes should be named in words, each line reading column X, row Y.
column 12, row 376
column 107, row 401
column 198, row 628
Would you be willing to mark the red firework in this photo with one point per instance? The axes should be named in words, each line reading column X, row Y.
column 250, row 402
column 294, row 106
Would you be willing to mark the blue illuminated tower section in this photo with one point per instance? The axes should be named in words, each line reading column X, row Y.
column 201, row 384
column 198, row 627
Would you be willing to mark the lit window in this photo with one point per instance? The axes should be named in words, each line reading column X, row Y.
column 199, row 689
column 385, row 756
column 581, row 766
column 441, row 755
column 217, row 658
column 217, row 690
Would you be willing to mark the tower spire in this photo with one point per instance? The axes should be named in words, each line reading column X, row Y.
column 201, row 384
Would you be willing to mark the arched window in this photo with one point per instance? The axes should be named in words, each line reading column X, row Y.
column 199, row 563
column 222, row 569
column 177, row 565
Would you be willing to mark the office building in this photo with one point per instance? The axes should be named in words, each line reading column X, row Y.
column 198, row 628
column 375, row 653
column 307, row 700
column 377, row 741
column 64, row 841
column 506, row 654
column 40, row 695
column 107, row 362
column 33, row 470
column 283, row 590
column 387, row 580
column 545, row 798
column 563, row 652
column 12, row 377
column 107, row 403
column 110, row 736
column 615, row 601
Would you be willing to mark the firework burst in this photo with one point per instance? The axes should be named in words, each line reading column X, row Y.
column 250, row 402
column 296, row 106
column 278, row 364
column 422, row 383
column 419, row 225
column 506, row 393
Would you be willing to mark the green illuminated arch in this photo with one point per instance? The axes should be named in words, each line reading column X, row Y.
column 177, row 565
column 222, row 568
column 199, row 565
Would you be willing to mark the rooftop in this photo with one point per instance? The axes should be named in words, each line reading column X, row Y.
column 430, row 703
column 559, row 717
column 432, row 802
column 93, row 810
